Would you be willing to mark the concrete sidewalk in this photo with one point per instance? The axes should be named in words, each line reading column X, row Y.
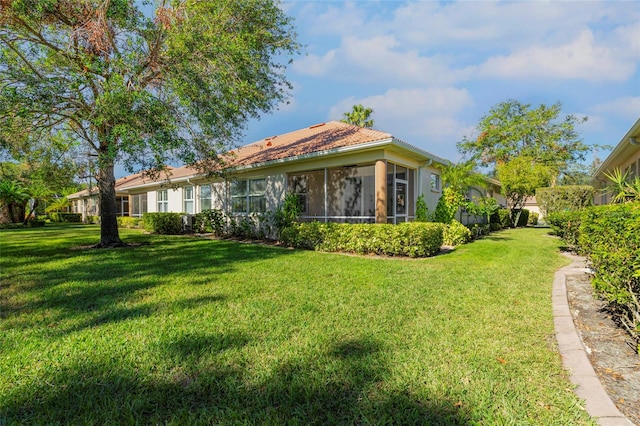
column 574, row 355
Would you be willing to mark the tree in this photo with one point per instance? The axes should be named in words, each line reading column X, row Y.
column 13, row 197
column 110, row 81
column 520, row 178
column 623, row 188
column 359, row 116
column 511, row 129
column 458, row 179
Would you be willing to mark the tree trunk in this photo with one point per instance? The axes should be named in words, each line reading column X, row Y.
column 109, row 236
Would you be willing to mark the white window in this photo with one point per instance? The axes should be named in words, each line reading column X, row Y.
column 247, row 196
column 187, row 196
column 205, row 197
column 163, row 201
column 435, row 182
column 138, row 204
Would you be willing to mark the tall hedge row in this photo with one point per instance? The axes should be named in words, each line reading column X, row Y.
column 610, row 237
column 163, row 223
column 413, row 239
column 563, row 198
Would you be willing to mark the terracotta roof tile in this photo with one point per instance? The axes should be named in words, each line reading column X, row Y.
column 316, row 138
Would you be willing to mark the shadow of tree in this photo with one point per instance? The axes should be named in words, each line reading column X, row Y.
column 343, row 384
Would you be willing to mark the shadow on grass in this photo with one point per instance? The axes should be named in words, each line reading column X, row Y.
column 108, row 284
column 342, row 384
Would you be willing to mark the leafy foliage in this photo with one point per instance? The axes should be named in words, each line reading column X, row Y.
column 511, row 129
column 448, row 205
column 520, row 178
column 624, row 189
column 163, row 223
column 422, row 210
column 501, row 219
column 65, row 217
column 610, row 236
column 286, row 214
column 455, row 234
column 359, row 116
column 412, row 239
column 566, row 225
column 128, row 87
column 560, row 198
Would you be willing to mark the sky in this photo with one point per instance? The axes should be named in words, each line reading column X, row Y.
column 430, row 70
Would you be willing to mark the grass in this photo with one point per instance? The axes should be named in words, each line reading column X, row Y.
column 192, row 331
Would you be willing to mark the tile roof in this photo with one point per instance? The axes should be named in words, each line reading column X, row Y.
column 313, row 139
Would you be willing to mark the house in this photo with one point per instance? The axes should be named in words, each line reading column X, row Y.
column 338, row 171
column 624, row 157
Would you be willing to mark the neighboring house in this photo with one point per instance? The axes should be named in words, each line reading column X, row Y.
column 339, row 172
column 624, row 157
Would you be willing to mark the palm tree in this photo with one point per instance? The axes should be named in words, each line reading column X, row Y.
column 13, row 196
column 623, row 189
column 458, row 179
column 359, row 116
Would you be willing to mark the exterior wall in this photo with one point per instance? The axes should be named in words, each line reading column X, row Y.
column 276, row 190
column 152, row 201
column 630, row 165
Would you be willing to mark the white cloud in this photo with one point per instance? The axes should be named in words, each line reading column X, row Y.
column 426, row 117
column 379, row 59
column 583, row 58
column 627, row 107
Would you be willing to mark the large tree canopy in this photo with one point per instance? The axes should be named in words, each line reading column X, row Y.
column 144, row 91
column 511, row 129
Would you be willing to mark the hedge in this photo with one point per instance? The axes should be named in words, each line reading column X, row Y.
column 562, row 198
column 566, row 225
column 501, row 218
column 455, row 234
column 129, row 221
column 65, row 217
column 412, row 239
column 610, row 237
column 163, row 223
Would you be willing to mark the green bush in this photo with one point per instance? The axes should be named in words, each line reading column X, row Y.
column 523, row 219
column 533, row 218
column 455, row 234
column 211, row 220
column 65, row 217
column 412, row 239
column 92, row 219
column 610, row 236
column 36, row 223
column 501, row 217
column 163, row 223
column 479, row 229
column 562, row 198
column 129, row 222
column 566, row 225
column 422, row 210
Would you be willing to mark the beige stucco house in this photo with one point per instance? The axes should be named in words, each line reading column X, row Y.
column 340, row 173
column 624, row 157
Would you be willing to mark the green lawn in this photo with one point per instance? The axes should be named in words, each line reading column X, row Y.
column 193, row 331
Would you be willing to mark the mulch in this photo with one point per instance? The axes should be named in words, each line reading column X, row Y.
column 610, row 348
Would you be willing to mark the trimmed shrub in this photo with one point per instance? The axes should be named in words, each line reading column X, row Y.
column 92, row 219
column 36, row 223
column 129, row 222
column 163, row 223
column 523, row 219
column 65, row 217
column 610, row 236
column 566, row 225
column 412, row 239
column 479, row 229
column 422, row 211
column 562, row 198
column 455, row 234
column 533, row 218
column 213, row 220
column 501, row 217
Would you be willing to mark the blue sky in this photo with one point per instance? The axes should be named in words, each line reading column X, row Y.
column 431, row 70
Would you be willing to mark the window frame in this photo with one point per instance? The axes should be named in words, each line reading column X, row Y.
column 162, row 201
column 186, row 200
column 248, row 196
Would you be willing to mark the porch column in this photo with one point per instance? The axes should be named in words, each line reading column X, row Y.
column 381, row 191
